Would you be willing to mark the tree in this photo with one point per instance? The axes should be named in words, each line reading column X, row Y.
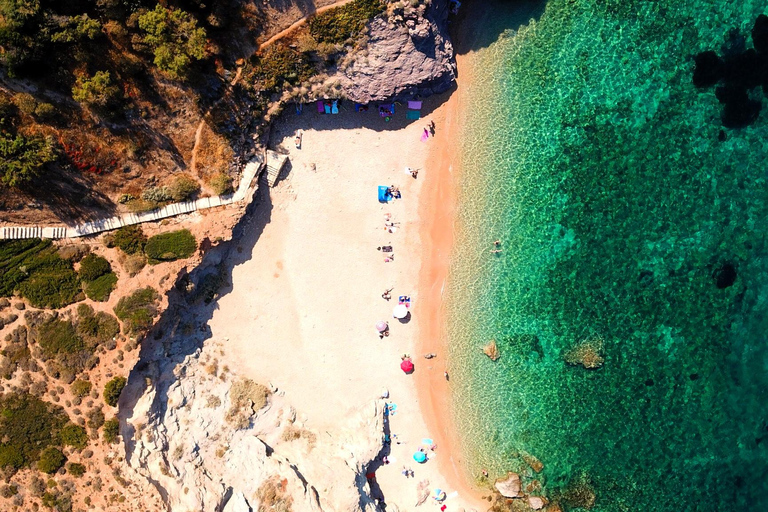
column 22, row 158
column 113, row 389
column 95, row 91
column 175, row 39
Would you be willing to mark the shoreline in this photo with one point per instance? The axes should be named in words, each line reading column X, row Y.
column 439, row 216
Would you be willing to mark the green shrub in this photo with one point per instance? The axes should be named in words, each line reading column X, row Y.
column 57, row 336
column 96, row 328
column 130, row 239
column 112, row 390
column 22, row 158
column 51, row 460
column 183, row 188
column 278, row 66
column 75, row 469
column 111, row 430
column 340, row 24
column 25, row 102
column 100, row 289
column 34, row 268
column 81, row 388
column 221, row 184
column 170, row 246
column 93, row 266
column 28, row 427
column 95, row 91
column 74, row 436
column 175, row 39
column 138, row 310
column 157, row 195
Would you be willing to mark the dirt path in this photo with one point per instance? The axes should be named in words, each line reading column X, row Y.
column 299, row 23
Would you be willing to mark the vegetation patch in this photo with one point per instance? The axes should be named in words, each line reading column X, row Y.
column 74, row 436
column 175, row 39
column 75, row 469
column 56, row 336
column 340, row 24
column 273, row 495
column 28, row 427
column 183, row 188
column 170, row 246
column 111, row 430
column 81, row 388
column 129, row 239
column 51, row 460
column 34, row 269
column 93, row 267
column 221, row 184
column 16, row 354
column 112, row 390
column 246, row 398
column 101, row 288
column 22, row 158
column 138, row 310
column 96, row 328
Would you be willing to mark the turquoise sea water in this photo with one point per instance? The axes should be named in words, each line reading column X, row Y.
column 590, row 154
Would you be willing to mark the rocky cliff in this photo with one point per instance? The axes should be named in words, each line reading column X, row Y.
column 207, row 449
column 408, row 53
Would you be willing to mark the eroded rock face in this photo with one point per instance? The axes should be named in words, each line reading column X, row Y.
column 406, row 55
column 198, row 459
column 510, row 487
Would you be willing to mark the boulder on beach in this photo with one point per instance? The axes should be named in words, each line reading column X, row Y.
column 510, row 487
column 587, row 353
column 492, row 350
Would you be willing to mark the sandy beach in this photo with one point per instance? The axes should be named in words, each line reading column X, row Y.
column 304, row 303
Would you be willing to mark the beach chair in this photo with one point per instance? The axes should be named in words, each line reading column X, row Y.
column 335, row 107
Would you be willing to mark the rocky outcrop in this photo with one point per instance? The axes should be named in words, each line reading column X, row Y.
column 188, row 445
column 510, row 487
column 407, row 53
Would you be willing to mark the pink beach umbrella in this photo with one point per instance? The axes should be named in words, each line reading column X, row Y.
column 407, row 366
column 382, row 326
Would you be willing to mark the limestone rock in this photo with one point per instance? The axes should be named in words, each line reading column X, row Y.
column 492, row 350
column 510, row 487
column 413, row 56
column 536, row 502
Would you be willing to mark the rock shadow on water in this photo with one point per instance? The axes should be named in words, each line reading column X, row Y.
column 495, row 17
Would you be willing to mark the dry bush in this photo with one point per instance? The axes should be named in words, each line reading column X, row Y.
column 213, row 153
column 132, row 263
column 246, row 398
column 273, row 496
column 293, row 433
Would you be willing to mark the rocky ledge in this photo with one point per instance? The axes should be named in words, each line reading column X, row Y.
column 408, row 53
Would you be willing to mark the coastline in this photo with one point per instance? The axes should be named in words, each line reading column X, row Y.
column 438, row 216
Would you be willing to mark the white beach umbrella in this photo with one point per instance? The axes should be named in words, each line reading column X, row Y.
column 400, row 311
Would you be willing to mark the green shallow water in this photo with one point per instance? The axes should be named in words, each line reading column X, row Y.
column 590, row 154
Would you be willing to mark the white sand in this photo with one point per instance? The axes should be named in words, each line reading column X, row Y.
column 304, row 304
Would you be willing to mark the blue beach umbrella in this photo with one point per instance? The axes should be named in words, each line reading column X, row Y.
column 420, row 457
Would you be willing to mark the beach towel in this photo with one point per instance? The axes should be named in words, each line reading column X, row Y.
column 454, row 494
column 335, row 107
column 320, row 107
column 384, row 194
column 427, row 441
column 361, row 108
column 413, row 114
column 386, row 110
column 415, row 105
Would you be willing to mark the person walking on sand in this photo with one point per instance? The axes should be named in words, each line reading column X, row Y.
column 445, row 373
column 386, row 295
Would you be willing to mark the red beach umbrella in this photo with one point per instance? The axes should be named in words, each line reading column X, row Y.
column 407, row 366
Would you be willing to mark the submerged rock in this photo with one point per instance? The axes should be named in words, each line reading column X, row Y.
column 536, row 502
column 725, row 276
column 492, row 350
column 510, row 487
column 587, row 353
